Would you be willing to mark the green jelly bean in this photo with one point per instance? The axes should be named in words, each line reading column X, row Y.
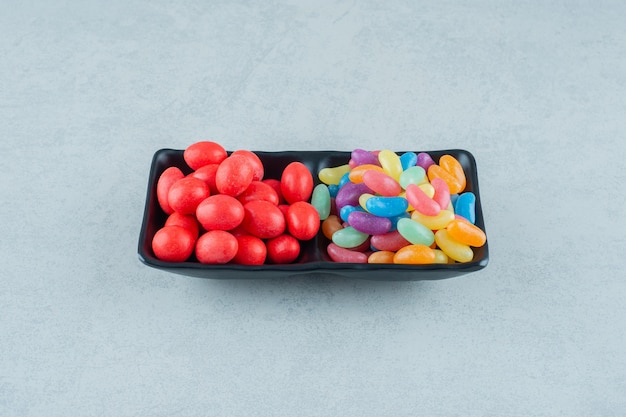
column 320, row 199
column 414, row 175
column 349, row 237
column 415, row 232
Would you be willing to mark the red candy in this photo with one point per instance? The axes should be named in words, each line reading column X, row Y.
column 186, row 193
column 187, row 221
column 275, row 184
column 251, row 251
column 296, row 183
column 258, row 190
column 303, row 220
column 234, row 175
column 204, row 153
column 165, row 182
column 207, row 174
column 283, row 249
column 216, row 247
column 173, row 244
column 220, row 212
column 255, row 163
column 263, row 219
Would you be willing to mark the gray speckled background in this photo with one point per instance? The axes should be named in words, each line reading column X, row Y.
column 535, row 90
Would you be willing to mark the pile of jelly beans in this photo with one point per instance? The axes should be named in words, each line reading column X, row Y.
column 224, row 211
column 382, row 207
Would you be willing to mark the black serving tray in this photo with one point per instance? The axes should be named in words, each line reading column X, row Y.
column 313, row 257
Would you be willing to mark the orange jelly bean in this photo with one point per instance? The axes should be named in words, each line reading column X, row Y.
column 454, row 184
column 415, row 254
column 356, row 174
column 453, row 166
column 464, row 232
column 381, row 257
column 330, row 226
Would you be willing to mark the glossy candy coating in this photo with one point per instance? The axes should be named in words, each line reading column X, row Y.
column 424, row 160
column 436, row 171
column 440, row 221
column 349, row 194
column 258, row 190
column 220, row 212
column 368, row 223
column 204, row 153
column 234, row 175
column 356, row 174
column 303, row 221
column 390, row 162
column 263, row 219
column 391, row 241
column 465, row 206
column 455, row 250
column 442, row 193
column 173, row 244
column 408, row 160
column 413, row 175
column 254, row 161
column 349, row 237
column 216, row 247
column 164, row 183
column 421, row 202
column 250, row 250
column 381, row 183
column 466, row 233
column 186, row 193
column 296, row 182
column 415, row 232
column 345, row 211
column 207, row 174
column 332, row 175
column 283, row 249
column 386, row 206
column 339, row 254
column 414, row 254
column 381, row 257
column 363, row 157
column 187, row 221
column 330, row 226
column 454, row 167
column 320, row 199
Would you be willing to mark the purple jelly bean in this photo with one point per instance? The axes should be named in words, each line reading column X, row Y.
column 424, row 160
column 362, row 157
column 368, row 223
column 349, row 194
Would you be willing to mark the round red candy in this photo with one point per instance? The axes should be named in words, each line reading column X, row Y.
column 283, row 249
column 296, row 183
column 216, row 247
column 251, row 250
column 303, row 220
column 186, row 193
column 220, row 212
column 165, row 182
column 207, row 174
column 173, row 244
column 234, row 175
column 204, row 153
column 255, row 163
column 187, row 221
column 275, row 184
column 258, row 190
column 263, row 219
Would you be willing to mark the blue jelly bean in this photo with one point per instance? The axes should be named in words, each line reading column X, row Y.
column 465, row 206
column 408, row 160
column 387, row 206
column 345, row 211
column 333, row 189
column 345, row 178
column 453, row 198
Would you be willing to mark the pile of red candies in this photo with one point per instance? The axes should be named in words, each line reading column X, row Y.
column 225, row 211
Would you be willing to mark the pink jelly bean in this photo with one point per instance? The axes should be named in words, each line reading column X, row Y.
column 352, row 164
column 381, row 183
column 368, row 223
column 349, row 194
column 421, row 202
column 424, row 160
column 363, row 157
column 442, row 192
column 391, row 241
column 339, row 254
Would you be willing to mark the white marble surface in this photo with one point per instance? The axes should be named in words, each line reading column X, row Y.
column 535, row 90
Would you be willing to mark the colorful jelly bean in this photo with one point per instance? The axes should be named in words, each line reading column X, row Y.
column 349, row 194
column 413, row 175
column 349, row 237
column 368, row 223
column 421, row 202
column 386, row 206
column 381, row 257
column 442, row 192
column 356, row 175
column 381, row 183
column 390, row 162
column 408, row 160
column 424, row 160
column 345, row 211
column 363, row 157
column 415, row 232
column 330, row 226
column 415, row 254
column 465, row 206
column 453, row 166
column 332, row 175
column 391, row 241
column 466, row 233
column 339, row 254
column 320, row 199
column 455, row 250
column 440, row 221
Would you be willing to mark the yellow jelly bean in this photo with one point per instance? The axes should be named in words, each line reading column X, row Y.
column 390, row 161
column 441, row 257
column 356, row 175
column 415, row 254
column 440, row 221
column 381, row 257
column 455, row 250
column 464, row 232
column 428, row 189
column 332, row 175
column 363, row 199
